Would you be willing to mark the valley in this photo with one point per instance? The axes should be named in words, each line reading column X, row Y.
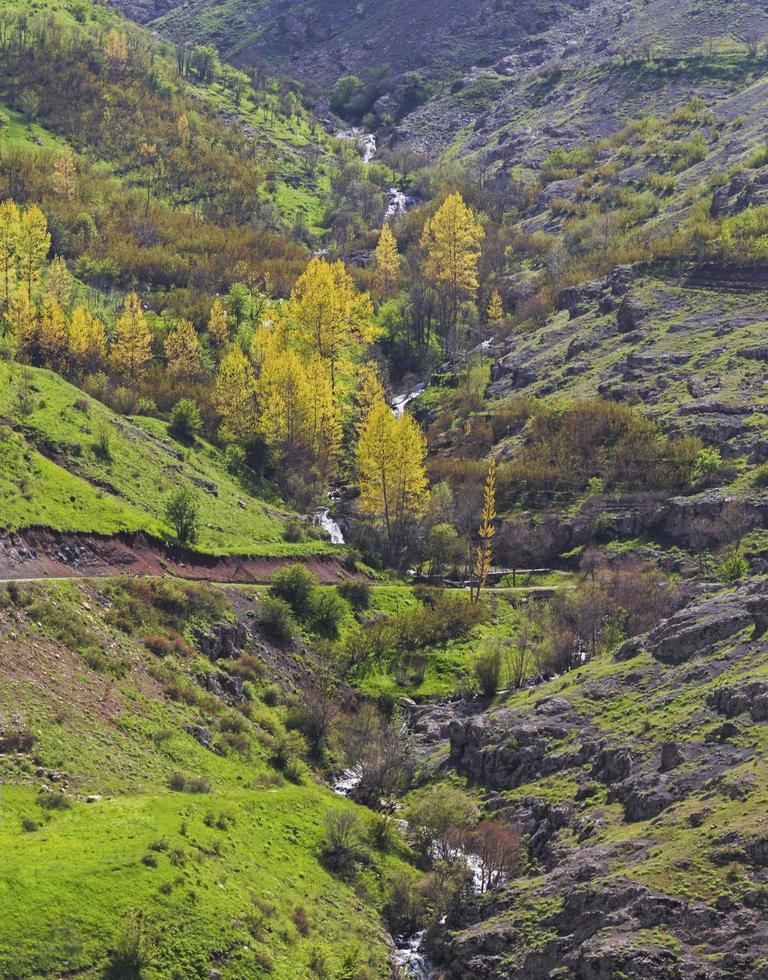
column 383, row 490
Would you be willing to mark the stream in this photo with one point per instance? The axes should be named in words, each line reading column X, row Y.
column 327, row 523
column 408, row 953
column 399, row 201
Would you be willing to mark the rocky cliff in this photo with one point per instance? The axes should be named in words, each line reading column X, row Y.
column 639, row 783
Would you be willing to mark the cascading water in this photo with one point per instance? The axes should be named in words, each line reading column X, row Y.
column 401, row 402
column 365, row 142
column 408, row 954
column 399, row 201
column 327, row 523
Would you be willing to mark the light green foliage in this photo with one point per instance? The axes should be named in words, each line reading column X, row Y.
column 144, row 465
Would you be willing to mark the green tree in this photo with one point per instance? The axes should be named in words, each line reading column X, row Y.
column 183, row 514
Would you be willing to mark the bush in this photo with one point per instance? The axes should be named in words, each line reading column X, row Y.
column 295, row 585
column 734, row 566
column 185, row 421
column 134, row 946
column 293, row 532
column 147, row 406
column 276, row 619
column 342, row 838
column 301, row 920
column 356, row 593
column 487, row 669
column 181, row 784
column 54, row 801
column 103, row 445
column 182, row 513
column 326, row 613
column 708, row 462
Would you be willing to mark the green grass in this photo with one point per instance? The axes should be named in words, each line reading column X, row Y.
column 66, row 889
column 20, row 131
column 449, row 667
column 58, row 479
column 218, row 875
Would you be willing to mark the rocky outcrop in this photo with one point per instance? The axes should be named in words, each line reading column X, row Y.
column 679, row 773
column 696, row 630
column 222, row 640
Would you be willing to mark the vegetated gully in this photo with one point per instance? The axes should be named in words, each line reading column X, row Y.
column 410, row 956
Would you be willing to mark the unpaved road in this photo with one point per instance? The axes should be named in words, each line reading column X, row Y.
column 40, row 553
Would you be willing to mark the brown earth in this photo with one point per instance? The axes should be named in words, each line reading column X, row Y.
column 40, row 553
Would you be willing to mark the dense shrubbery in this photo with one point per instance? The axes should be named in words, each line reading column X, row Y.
column 430, row 624
column 566, row 446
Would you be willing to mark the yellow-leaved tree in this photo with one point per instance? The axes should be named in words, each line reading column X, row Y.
column 132, row 341
column 235, row 397
column 484, row 553
column 32, row 243
column 370, row 390
column 116, row 49
column 218, row 325
column 58, row 282
column 65, row 175
column 22, row 321
column 182, row 351
column 328, row 314
column 386, row 260
column 324, row 431
column 53, row 335
column 283, row 397
column 390, row 473
column 9, row 233
column 495, row 307
column 451, row 244
column 87, row 341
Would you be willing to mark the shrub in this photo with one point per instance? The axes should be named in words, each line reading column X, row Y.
column 487, row 669
column 276, row 620
column 301, row 920
column 166, row 646
column 182, row 513
column 147, row 406
column 185, row 421
column 134, row 946
column 342, row 838
column 295, row 585
column 708, row 462
column 271, row 695
column 326, row 613
column 54, row 801
column 103, row 445
column 356, row 593
column 734, row 566
column 293, row 532
column 124, row 401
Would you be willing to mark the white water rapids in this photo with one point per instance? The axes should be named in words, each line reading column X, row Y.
column 399, row 201
column 408, row 952
column 327, row 523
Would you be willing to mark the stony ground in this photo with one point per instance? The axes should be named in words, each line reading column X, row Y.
column 639, row 782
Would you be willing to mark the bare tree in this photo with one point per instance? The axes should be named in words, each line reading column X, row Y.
column 497, row 848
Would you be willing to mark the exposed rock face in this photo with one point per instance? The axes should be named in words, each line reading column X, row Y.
column 746, row 190
column 696, row 630
column 222, row 640
column 648, row 797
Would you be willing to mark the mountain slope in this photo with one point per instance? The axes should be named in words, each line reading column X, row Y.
column 57, row 473
column 639, row 781
column 146, row 831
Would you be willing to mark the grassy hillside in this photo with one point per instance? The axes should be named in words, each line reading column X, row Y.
column 191, row 858
column 56, row 474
